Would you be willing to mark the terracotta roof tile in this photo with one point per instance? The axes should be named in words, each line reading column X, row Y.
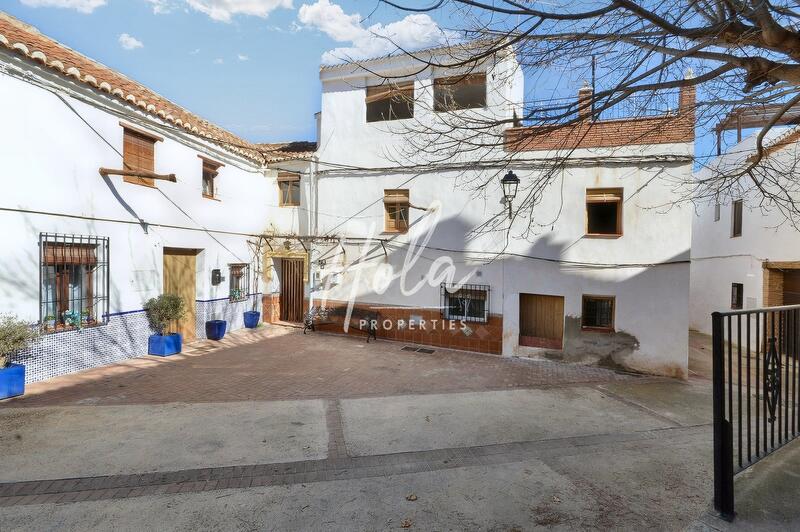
column 26, row 40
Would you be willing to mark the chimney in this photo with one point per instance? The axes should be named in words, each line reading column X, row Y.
column 584, row 101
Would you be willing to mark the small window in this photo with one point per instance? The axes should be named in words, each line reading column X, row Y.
column 239, row 278
column 470, row 302
column 459, row 92
column 737, row 295
column 604, row 212
column 396, row 205
column 736, row 215
column 74, row 281
column 392, row 101
column 210, row 173
column 598, row 313
column 289, row 189
column 716, row 212
column 138, row 153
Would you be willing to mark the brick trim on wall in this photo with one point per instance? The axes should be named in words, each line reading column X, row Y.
column 670, row 128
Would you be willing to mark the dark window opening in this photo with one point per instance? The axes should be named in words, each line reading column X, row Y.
column 239, row 278
column 470, row 302
column 604, row 212
column 736, row 230
column 716, row 212
column 74, row 281
column 737, row 296
column 459, row 92
column 390, row 102
column 598, row 313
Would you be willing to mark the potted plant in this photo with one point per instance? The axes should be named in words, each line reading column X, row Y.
column 215, row 329
column 72, row 318
column 85, row 317
column 251, row 317
column 161, row 311
column 50, row 322
column 15, row 335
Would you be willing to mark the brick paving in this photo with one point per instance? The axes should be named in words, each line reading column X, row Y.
column 308, row 471
column 278, row 363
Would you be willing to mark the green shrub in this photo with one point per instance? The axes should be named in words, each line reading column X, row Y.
column 162, row 310
column 15, row 335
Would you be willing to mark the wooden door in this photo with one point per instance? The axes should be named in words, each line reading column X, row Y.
column 180, row 276
column 541, row 321
column 292, row 290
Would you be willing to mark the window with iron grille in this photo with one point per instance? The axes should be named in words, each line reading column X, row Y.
column 74, row 281
column 469, row 302
column 239, row 276
column 598, row 313
column 210, row 173
column 396, row 207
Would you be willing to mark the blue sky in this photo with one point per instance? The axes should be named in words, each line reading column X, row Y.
column 250, row 66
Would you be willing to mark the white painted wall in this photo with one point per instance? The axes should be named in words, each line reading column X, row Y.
column 51, row 159
column 651, row 302
column 719, row 260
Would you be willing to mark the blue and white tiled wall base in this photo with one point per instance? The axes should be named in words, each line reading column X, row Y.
column 124, row 336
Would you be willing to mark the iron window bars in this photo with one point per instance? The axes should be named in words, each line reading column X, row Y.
column 73, row 281
column 469, row 302
column 239, row 281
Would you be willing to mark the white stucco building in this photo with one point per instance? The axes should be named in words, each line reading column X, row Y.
column 380, row 214
column 603, row 277
column 102, row 245
column 744, row 250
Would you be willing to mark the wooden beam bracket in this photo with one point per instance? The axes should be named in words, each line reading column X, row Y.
column 138, row 173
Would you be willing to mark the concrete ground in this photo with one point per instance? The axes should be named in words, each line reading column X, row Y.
column 274, row 430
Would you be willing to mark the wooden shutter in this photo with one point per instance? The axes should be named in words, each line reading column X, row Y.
column 396, row 203
column 138, row 153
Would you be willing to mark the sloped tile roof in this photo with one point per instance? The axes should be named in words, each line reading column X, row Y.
column 26, row 40
column 281, row 151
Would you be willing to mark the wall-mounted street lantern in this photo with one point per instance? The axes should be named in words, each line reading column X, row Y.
column 510, row 183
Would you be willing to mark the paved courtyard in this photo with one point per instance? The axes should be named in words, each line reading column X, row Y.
column 274, row 430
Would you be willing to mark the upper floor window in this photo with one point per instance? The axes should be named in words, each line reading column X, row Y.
column 459, row 92
column 74, row 281
column 289, row 189
column 598, row 313
column 210, row 172
column 239, row 278
column 138, row 153
column 604, row 212
column 469, row 303
column 736, row 218
column 396, row 206
column 390, row 101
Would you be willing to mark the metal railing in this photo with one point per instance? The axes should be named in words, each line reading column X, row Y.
column 755, row 386
column 639, row 105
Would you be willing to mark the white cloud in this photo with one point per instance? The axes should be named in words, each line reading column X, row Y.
column 161, row 7
column 83, row 6
column 195, row 51
column 414, row 32
column 218, row 61
column 224, row 10
column 129, row 42
column 242, row 57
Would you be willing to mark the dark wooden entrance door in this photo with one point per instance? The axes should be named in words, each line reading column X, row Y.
column 292, row 290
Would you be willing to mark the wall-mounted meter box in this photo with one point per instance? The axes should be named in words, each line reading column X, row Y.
column 216, row 276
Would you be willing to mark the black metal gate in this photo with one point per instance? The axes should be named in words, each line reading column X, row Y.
column 755, row 380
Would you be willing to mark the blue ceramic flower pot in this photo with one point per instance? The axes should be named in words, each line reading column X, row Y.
column 164, row 345
column 251, row 318
column 215, row 329
column 12, row 381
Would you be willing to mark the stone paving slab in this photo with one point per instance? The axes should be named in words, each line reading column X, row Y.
column 518, row 487
column 75, row 441
column 412, row 423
